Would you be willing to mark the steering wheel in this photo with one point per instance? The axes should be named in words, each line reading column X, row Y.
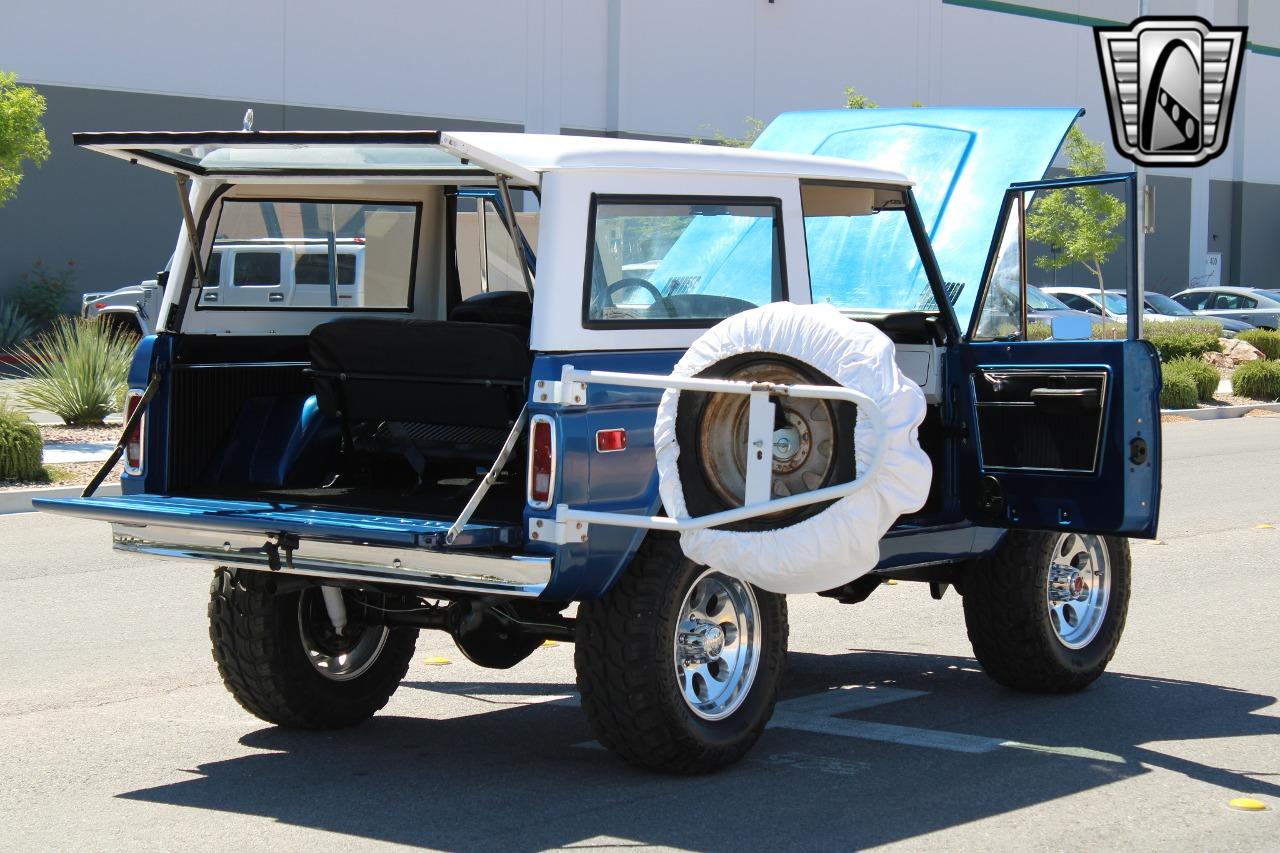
column 643, row 284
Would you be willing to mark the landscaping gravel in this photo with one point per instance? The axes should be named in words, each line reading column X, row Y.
column 62, row 434
column 69, row 474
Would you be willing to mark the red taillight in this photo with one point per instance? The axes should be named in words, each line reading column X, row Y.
column 133, row 448
column 542, row 461
column 611, row 440
column 98, row 306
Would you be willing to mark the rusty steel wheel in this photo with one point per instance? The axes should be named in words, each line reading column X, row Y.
column 812, row 440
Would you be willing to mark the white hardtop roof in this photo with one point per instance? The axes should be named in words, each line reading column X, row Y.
column 525, row 155
column 460, row 157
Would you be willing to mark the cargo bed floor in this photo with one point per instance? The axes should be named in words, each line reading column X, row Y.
column 503, row 504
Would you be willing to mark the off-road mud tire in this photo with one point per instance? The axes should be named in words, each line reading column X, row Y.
column 1008, row 624
column 624, row 660
column 258, row 649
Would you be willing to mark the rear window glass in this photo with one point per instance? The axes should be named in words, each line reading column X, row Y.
column 213, row 272
column 256, row 269
column 282, row 251
column 681, row 262
column 313, row 268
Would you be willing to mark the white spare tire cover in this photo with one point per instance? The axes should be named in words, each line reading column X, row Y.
column 842, row 542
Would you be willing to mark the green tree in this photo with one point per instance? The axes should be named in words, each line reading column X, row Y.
column 21, row 134
column 855, row 100
column 1080, row 225
column 754, row 127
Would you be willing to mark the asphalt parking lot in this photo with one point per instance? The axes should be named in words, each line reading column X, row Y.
column 117, row 733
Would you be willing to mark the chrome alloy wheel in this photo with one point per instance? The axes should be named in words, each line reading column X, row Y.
column 338, row 657
column 717, row 645
column 1079, row 588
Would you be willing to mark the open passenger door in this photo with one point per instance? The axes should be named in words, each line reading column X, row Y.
column 1063, row 434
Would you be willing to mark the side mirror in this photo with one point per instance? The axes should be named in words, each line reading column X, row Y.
column 1070, row 328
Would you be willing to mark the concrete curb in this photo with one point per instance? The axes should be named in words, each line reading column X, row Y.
column 1218, row 413
column 19, row 500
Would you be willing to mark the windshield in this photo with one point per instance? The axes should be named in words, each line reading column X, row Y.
column 1117, row 303
column 1038, row 300
column 1165, row 305
column 862, row 254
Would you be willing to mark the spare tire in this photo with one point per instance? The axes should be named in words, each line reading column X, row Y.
column 820, row 546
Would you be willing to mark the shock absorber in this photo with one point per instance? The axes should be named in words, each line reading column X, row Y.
column 336, row 608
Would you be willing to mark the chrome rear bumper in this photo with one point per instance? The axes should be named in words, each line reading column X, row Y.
column 456, row 572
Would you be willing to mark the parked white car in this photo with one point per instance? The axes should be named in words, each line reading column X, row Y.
column 1087, row 299
column 1116, row 307
column 1248, row 304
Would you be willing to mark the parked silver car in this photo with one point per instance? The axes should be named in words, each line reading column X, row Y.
column 1158, row 308
column 1249, row 304
column 1158, row 303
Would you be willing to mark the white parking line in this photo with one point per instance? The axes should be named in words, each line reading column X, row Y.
column 843, row 700
column 818, row 712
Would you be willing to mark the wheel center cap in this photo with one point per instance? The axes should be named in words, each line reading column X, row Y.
column 786, row 443
column 713, row 641
column 702, row 643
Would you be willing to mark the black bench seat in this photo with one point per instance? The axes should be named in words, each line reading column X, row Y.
column 445, row 387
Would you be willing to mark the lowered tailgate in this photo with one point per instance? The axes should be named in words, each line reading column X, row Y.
column 315, row 542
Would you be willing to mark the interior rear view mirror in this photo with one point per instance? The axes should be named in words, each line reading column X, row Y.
column 1071, row 328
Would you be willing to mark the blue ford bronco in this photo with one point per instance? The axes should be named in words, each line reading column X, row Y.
column 626, row 394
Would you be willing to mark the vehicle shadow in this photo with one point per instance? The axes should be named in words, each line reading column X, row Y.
column 522, row 776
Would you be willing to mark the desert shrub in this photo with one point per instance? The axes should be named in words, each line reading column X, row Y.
column 1264, row 339
column 75, row 369
column 1258, row 380
column 21, row 447
column 1178, row 391
column 46, row 293
column 15, row 327
column 1204, row 375
column 1183, row 338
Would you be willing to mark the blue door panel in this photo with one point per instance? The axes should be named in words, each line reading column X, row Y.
column 1120, row 495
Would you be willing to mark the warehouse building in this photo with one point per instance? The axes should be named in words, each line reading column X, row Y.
column 666, row 69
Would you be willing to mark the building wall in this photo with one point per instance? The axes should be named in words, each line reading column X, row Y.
column 1223, row 235
column 1259, row 226
column 1167, row 270
column 661, row 68
column 119, row 224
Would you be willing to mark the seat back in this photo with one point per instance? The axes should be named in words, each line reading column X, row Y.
column 504, row 307
column 420, row 371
